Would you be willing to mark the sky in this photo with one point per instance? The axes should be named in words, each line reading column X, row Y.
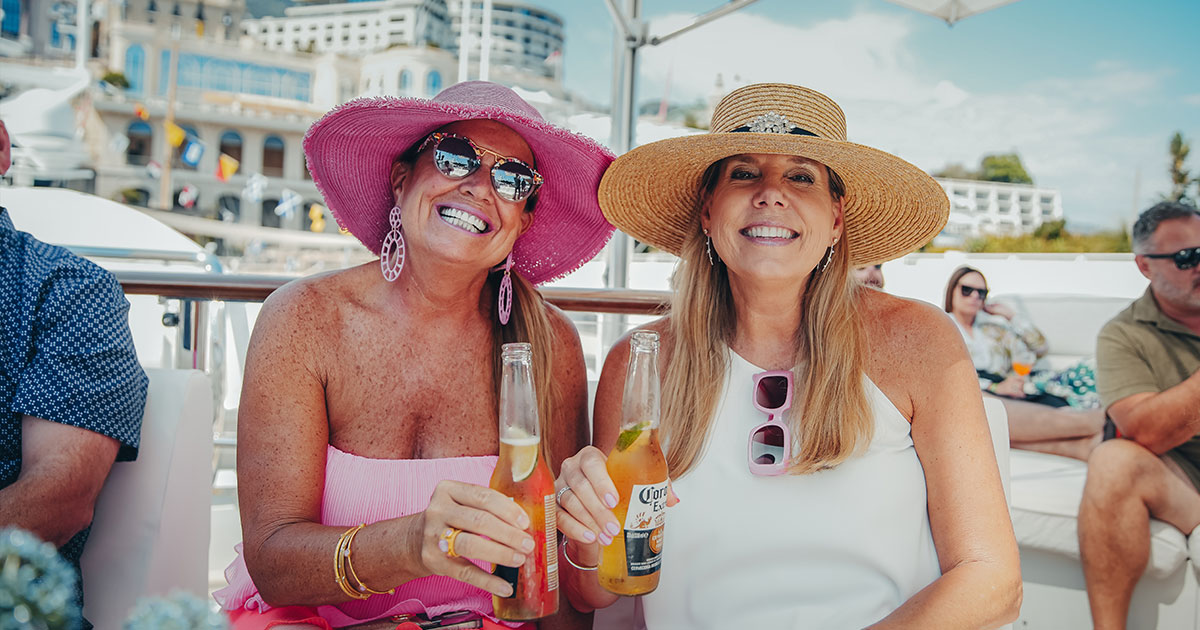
column 1087, row 92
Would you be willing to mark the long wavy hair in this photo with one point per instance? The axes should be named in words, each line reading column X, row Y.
column 831, row 419
column 528, row 323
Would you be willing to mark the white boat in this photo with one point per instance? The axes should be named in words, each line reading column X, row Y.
column 1069, row 296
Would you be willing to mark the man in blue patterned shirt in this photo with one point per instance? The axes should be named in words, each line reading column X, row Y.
column 72, row 392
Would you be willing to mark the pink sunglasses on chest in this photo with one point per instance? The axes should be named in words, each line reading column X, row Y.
column 770, row 443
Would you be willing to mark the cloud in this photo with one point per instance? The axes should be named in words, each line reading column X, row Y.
column 1073, row 133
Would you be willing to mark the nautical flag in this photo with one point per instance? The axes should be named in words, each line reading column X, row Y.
column 175, row 134
column 188, row 195
column 252, row 192
column 554, row 58
column 316, row 214
column 226, row 167
column 289, row 201
column 139, row 110
column 118, row 143
column 192, row 152
column 153, row 169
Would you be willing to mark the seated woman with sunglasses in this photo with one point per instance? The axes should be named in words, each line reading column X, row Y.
column 881, row 502
column 1003, row 347
column 367, row 432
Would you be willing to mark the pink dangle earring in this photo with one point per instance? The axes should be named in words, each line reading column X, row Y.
column 504, row 304
column 391, row 255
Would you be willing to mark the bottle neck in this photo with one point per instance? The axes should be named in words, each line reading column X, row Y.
column 641, row 401
column 518, row 404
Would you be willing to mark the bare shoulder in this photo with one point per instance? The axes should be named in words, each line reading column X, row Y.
column 564, row 329
column 904, row 329
column 310, row 302
column 618, row 354
column 911, row 346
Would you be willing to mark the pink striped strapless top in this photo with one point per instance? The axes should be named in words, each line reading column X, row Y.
column 365, row 490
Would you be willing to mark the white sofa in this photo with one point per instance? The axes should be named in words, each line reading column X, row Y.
column 1046, row 491
column 150, row 530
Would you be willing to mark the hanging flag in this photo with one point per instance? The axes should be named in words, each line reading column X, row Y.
column 289, row 202
column 252, row 192
column 188, row 195
column 316, row 216
column 554, row 58
column 175, row 134
column 192, row 152
column 227, row 165
column 153, row 169
column 139, row 110
column 118, row 143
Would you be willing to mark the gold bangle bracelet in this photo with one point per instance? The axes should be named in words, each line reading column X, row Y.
column 572, row 562
column 362, row 587
column 340, row 555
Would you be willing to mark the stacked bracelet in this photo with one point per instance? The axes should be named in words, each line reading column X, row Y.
column 572, row 562
column 343, row 568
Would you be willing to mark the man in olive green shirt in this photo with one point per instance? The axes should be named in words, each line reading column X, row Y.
column 1148, row 376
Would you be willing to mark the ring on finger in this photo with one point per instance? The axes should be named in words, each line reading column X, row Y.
column 559, row 495
column 446, row 541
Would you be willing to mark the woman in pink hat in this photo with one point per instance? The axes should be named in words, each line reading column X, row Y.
column 370, row 394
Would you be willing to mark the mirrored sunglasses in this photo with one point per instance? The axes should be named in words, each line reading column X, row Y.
column 770, row 442
column 966, row 291
column 457, row 157
column 1184, row 258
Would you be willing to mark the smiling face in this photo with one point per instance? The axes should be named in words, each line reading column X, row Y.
column 771, row 217
column 462, row 220
column 968, row 306
column 1177, row 290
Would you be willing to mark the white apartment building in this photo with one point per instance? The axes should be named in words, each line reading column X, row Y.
column 355, row 28
column 979, row 208
column 525, row 38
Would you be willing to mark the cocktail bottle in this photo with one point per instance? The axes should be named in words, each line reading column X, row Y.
column 522, row 474
column 630, row 565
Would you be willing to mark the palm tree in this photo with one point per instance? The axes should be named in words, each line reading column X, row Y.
column 1180, row 178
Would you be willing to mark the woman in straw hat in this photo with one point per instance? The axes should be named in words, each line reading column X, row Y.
column 881, row 502
column 371, row 393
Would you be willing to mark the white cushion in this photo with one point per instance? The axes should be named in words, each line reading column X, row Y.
column 1046, row 491
column 1071, row 323
column 150, row 529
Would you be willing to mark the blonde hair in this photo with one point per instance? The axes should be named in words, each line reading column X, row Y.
column 831, row 418
column 529, row 323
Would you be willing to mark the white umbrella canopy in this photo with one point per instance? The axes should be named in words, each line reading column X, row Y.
column 952, row 10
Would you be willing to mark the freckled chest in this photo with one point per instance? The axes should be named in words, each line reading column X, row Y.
column 411, row 392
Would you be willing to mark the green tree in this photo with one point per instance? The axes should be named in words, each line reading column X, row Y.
column 1051, row 230
column 1005, row 167
column 956, row 170
column 1181, row 180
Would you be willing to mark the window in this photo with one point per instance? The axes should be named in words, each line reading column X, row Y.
column 231, row 144
column 405, row 82
column 433, row 83
column 229, row 208
column 140, row 140
column 269, row 218
column 135, row 68
column 272, row 165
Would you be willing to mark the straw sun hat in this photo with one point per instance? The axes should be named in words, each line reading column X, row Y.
column 350, row 152
column 891, row 206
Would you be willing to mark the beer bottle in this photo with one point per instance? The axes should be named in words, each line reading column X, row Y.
column 522, row 475
column 629, row 566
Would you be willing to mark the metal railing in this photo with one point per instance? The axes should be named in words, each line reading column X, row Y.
column 256, row 288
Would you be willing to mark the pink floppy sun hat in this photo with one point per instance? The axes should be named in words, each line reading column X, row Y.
column 350, row 152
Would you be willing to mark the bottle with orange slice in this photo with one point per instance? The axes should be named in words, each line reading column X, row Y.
column 638, row 468
column 523, row 475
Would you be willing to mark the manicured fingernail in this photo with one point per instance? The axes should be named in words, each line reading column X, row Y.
column 518, row 560
column 506, row 591
column 610, row 500
column 527, row 545
column 523, row 522
column 588, row 536
column 605, row 540
column 613, row 529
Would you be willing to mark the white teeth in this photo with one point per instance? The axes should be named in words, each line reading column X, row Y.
column 766, row 231
column 464, row 220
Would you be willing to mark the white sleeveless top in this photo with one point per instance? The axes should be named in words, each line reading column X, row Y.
column 840, row 548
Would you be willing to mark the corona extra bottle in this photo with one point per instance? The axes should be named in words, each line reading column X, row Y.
column 630, row 565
